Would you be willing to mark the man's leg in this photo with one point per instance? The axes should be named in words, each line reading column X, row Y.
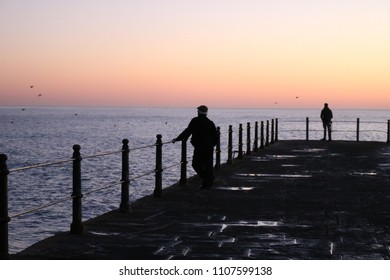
column 324, row 125
column 330, row 132
column 209, row 168
column 202, row 162
column 197, row 164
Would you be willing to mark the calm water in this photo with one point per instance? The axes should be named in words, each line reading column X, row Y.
column 41, row 135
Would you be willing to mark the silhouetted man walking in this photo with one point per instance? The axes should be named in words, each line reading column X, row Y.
column 204, row 138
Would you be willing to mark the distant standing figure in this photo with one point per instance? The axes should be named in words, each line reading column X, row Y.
column 204, row 138
column 326, row 117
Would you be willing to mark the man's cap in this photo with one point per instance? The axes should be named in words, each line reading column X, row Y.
column 202, row 109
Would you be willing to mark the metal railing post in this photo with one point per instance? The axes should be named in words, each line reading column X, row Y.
column 218, row 150
column 240, row 141
column 262, row 135
column 125, row 206
column 357, row 129
column 388, row 131
column 4, row 219
column 230, row 145
column 267, row 134
column 307, row 129
column 77, row 226
column 272, row 131
column 248, row 138
column 256, row 141
column 276, row 130
column 183, row 163
column 158, row 171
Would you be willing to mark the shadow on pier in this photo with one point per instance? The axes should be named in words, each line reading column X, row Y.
column 293, row 200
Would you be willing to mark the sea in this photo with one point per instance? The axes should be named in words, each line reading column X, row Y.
column 34, row 137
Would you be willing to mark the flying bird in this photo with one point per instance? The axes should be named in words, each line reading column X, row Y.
column 31, row 86
column 39, row 95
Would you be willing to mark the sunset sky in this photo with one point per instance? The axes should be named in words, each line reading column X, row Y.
column 181, row 53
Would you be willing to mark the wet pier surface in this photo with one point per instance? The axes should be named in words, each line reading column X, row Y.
column 292, row 200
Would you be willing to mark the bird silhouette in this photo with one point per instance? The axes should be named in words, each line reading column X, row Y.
column 39, row 95
column 31, row 86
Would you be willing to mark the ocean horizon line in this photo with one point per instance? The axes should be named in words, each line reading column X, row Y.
column 185, row 107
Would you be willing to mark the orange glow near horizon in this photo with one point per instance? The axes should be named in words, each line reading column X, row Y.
column 251, row 54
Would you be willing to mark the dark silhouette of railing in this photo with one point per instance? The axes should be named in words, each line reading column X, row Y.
column 266, row 138
column 339, row 131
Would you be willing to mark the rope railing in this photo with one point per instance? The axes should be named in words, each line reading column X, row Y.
column 172, row 166
column 358, row 128
column 148, row 173
column 110, row 185
column 102, row 154
column 253, row 141
column 58, row 201
column 39, row 165
column 35, row 209
column 142, row 147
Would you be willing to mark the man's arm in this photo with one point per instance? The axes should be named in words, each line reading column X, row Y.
column 185, row 134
